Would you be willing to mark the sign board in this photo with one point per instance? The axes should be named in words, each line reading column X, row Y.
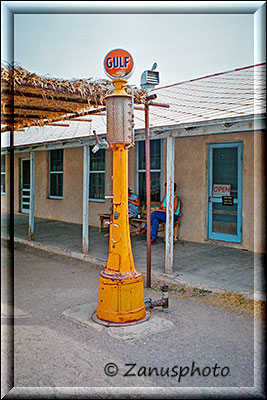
column 227, row 200
column 221, row 190
column 118, row 63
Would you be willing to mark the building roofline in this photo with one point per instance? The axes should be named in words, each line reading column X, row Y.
column 209, row 76
column 90, row 138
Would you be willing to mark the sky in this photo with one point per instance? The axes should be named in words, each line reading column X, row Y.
column 185, row 46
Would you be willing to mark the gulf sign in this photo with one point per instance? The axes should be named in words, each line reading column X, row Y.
column 221, row 190
column 118, row 63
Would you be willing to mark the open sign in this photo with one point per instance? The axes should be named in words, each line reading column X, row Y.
column 118, row 63
column 221, row 190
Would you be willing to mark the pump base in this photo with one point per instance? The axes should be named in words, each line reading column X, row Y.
column 113, row 324
column 121, row 298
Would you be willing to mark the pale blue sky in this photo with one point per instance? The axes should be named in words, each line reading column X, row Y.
column 184, row 46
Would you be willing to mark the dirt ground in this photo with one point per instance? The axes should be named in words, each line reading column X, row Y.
column 231, row 301
column 54, row 354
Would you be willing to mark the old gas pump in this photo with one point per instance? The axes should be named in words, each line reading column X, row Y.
column 121, row 292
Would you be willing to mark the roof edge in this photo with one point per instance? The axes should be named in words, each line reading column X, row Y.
column 209, row 76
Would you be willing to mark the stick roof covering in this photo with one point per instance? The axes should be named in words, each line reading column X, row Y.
column 28, row 99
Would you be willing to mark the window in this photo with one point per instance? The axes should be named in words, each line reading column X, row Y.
column 3, row 174
column 56, row 174
column 155, row 169
column 97, row 169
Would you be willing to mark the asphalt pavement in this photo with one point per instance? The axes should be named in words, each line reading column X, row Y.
column 205, row 351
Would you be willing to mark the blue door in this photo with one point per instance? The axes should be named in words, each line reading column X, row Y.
column 25, row 185
column 225, row 161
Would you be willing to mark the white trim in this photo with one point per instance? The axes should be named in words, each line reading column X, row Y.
column 101, row 200
column 55, row 173
column 24, row 210
column 159, row 170
column 3, row 173
column 32, row 196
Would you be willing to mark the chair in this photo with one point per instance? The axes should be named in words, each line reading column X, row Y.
column 175, row 226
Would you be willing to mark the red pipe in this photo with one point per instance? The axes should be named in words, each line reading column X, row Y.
column 148, row 199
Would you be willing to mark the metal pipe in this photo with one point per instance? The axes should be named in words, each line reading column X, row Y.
column 148, row 199
column 163, row 302
column 132, row 123
column 165, row 296
column 11, row 258
column 158, row 104
column 139, row 108
column 11, row 198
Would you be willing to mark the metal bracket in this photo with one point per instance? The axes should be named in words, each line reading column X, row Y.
column 100, row 143
column 132, row 122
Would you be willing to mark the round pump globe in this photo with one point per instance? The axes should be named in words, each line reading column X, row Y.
column 118, row 63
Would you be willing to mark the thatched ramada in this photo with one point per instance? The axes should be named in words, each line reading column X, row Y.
column 28, row 99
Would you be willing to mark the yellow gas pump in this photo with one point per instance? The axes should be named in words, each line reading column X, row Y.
column 121, row 291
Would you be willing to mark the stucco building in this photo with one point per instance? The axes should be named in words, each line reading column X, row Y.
column 215, row 129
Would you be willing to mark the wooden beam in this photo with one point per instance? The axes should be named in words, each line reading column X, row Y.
column 80, row 120
column 18, row 107
column 8, row 116
column 45, row 96
column 169, row 206
column 74, row 114
column 85, row 235
column 54, row 124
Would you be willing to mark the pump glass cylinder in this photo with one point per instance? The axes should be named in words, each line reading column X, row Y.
column 119, row 119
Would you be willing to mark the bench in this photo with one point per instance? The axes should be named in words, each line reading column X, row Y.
column 104, row 219
column 175, row 228
column 138, row 223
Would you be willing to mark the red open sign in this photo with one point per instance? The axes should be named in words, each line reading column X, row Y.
column 221, row 190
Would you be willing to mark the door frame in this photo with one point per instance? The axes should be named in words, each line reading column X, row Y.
column 217, row 235
column 23, row 210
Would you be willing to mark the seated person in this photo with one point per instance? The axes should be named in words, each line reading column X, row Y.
column 133, row 204
column 159, row 215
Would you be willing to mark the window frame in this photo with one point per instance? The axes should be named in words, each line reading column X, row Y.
column 56, row 172
column 102, row 200
column 138, row 171
column 4, row 174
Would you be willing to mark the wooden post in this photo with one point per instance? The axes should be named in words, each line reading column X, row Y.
column 32, row 196
column 85, row 235
column 169, row 207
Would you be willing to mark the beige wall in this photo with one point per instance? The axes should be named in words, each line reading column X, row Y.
column 68, row 209
column 191, row 178
column 191, row 175
column 191, row 156
column 259, row 193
